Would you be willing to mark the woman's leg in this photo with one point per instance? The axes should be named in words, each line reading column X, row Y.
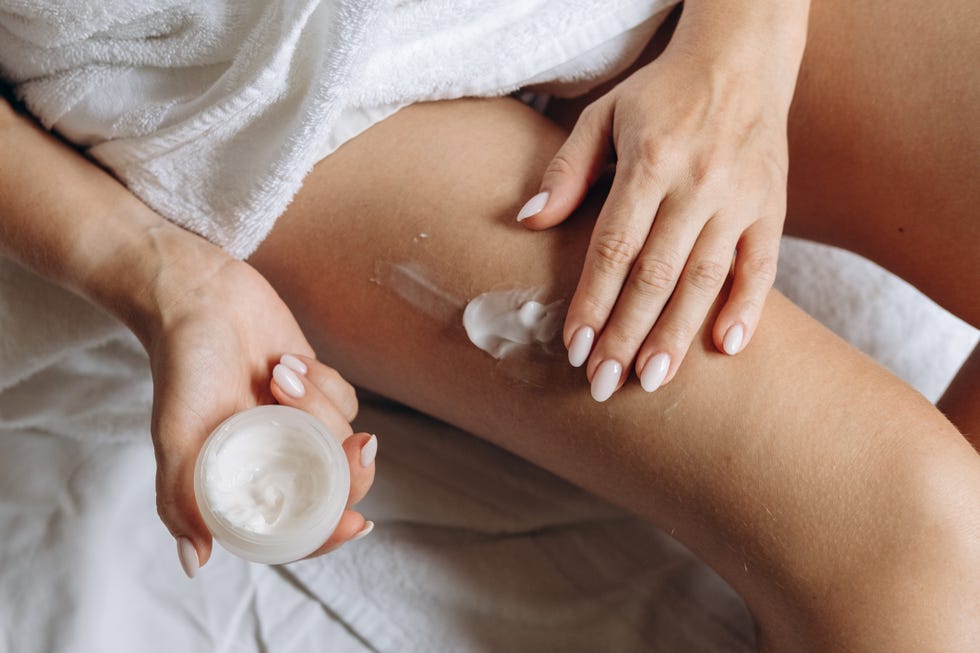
column 885, row 148
column 824, row 489
column 885, row 153
column 885, row 141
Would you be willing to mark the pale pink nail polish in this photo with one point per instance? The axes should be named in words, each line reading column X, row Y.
column 294, row 363
column 606, row 379
column 533, row 206
column 187, row 555
column 733, row 339
column 288, row 381
column 655, row 371
column 364, row 532
column 581, row 345
column 369, row 451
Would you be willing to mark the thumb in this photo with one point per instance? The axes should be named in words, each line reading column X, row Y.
column 573, row 170
column 176, row 447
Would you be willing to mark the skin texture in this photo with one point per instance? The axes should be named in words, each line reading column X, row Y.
column 824, row 489
column 213, row 327
column 820, row 486
column 699, row 139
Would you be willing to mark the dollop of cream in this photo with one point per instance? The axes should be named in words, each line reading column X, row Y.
column 267, row 479
column 506, row 322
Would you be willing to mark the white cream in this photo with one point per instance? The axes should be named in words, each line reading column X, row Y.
column 267, row 478
column 507, row 322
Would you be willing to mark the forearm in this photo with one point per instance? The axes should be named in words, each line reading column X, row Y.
column 747, row 37
column 73, row 223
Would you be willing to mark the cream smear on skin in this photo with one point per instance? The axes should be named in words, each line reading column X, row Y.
column 515, row 326
column 267, row 479
column 506, row 322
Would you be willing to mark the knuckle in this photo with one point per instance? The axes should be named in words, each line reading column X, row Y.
column 750, row 305
column 676, row 332
column 763, row 266
column 709, row 174
column 653, row 276
column 613, row 251
column 594, row 309
column 560, row 165
column 618, row 340
column 654, row 149
column 706, row 275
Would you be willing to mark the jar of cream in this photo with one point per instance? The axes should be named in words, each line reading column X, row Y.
column 271, row 483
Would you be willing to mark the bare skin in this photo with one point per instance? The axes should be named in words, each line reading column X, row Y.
column 823, row 488
column 834, row 498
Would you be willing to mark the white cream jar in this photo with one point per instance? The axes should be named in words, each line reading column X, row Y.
column 271, row 484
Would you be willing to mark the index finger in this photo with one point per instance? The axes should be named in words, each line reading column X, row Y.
column 617, row 238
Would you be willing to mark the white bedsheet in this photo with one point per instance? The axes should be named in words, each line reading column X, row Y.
column 474, row 549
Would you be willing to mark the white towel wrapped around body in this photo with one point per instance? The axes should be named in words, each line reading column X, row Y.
column 214, row 112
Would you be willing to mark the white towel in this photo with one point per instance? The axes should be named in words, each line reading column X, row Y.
column 469, row 538
column 214, row 112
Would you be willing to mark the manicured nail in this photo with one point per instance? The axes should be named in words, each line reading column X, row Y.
column 581, row 345
column 533, row 206
column 188, row 557
column 655, row 371
column 364, row 532
column 369, row 451
column 606, row 379
column 733, row 339
column 288, row 381
column 294, row 363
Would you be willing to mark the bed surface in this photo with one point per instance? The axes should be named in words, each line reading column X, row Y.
column 474, row 549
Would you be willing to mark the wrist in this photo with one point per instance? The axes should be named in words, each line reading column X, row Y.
column 146, row 266
column 747, row 41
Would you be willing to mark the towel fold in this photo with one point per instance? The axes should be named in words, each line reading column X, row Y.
column 214, row 112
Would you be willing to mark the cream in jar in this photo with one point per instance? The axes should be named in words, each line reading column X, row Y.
column 271, row 483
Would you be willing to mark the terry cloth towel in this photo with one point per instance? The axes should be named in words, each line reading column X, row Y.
column 213, row 112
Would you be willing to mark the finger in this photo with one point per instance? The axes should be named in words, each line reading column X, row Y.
column 293, row 389
column 618, row 236
column 177, row 439
column 328, row 380
column 352, row 526
column 665, row 347
column 361, row 450
column 755, row 272
column 573, row 170
column 649, row 285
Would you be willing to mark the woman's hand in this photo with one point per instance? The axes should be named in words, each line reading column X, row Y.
column 213, row 327
column 215, row 349
column 701, row 169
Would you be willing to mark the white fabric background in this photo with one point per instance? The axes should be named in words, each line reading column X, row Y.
column 474, row 549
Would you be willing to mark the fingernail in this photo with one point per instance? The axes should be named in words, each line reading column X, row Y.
column 606, row 379
column 288, row 381
column 533, row 206
column 294, row 363
column 188, row 557
column 581, row 345
column 654, row 372
column 733, row 339
column 364, row 532
column 369, row 451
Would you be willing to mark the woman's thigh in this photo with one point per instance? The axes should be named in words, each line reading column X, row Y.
column 416, row 215
column 884, row 136
column 885, row 141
